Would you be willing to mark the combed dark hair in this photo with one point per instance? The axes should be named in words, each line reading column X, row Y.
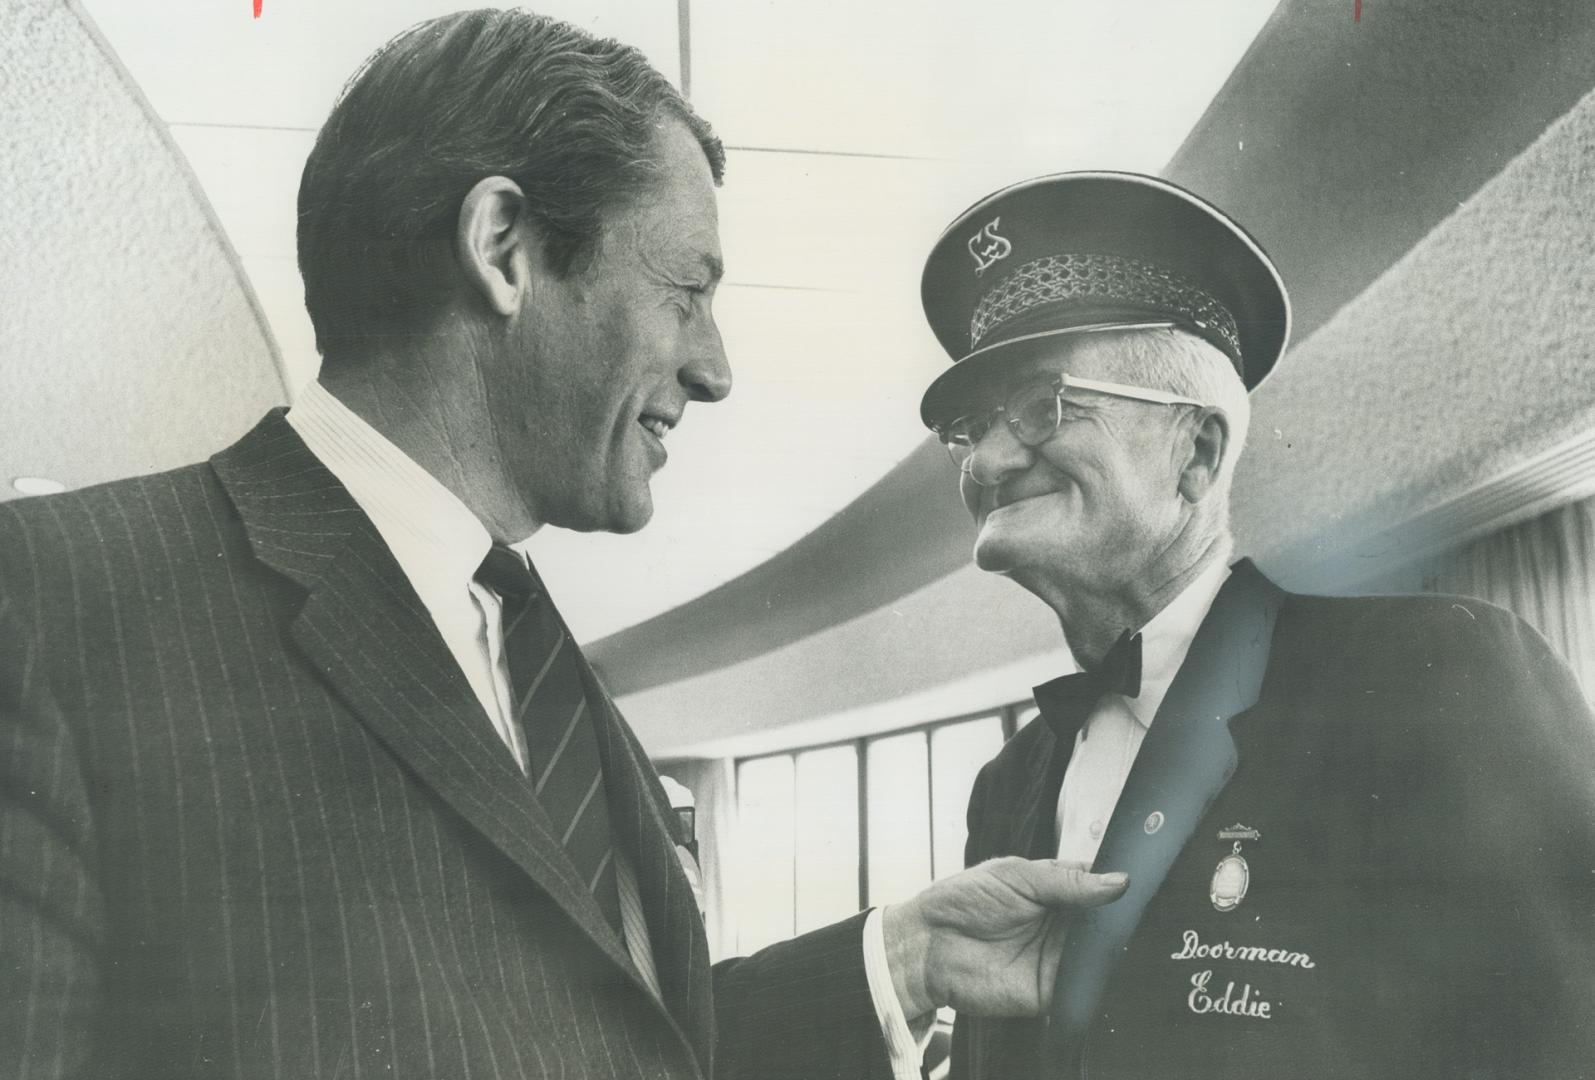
column 567, row 116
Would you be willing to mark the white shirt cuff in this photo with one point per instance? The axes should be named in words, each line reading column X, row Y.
column 902, row 1047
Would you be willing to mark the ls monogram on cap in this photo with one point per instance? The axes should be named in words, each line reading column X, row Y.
column 987, row 247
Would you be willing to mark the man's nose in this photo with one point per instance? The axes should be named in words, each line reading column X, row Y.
column 707, row 376
column 998, row 454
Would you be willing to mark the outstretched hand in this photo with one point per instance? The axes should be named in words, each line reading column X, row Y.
column 987, row 941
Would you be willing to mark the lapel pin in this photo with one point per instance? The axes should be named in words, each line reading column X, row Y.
column 1232, row 876
column 1154, row 822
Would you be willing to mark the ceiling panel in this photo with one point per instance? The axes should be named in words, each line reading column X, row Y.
column 282, row 296
column 252, row 179
column 1037, row 86
column 210, row 62
column 251, row 176
column 839, row 222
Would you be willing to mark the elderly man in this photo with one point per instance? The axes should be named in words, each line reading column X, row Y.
column 1360, row 833
column 301, row 774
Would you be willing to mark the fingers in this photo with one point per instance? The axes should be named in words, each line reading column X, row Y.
column 1056, row 884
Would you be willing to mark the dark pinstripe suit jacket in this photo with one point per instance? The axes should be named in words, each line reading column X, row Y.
column 254, row 824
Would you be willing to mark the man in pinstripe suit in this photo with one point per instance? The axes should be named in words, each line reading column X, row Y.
column 276, row 798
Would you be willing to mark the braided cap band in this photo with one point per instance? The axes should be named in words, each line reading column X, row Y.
column 1110, row 279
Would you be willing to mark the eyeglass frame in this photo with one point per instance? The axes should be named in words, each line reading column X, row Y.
column 1060, row 384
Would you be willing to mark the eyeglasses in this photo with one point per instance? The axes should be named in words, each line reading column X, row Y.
column 1034, row 413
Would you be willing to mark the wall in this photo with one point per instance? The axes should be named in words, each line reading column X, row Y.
column 129, row 341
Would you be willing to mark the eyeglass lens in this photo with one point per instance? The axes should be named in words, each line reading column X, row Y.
column 1032, row 414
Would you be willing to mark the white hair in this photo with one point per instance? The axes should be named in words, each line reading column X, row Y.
column 1179, row 362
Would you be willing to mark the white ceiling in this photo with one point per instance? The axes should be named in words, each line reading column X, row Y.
column 855, row 130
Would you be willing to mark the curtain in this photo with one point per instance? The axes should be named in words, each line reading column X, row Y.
column 712, row 782
column 1542, row 570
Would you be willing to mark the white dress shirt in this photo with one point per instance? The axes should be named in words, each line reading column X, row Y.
column 1110, row 738
column 439, row 544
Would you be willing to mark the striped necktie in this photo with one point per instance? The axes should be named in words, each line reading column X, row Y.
column 551, row 706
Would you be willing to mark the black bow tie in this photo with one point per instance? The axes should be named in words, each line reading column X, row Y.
column 1066, row 701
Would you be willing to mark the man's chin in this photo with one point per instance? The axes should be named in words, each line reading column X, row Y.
column 994, row 553
column 624, row 516
column 631, row 523
column 630, row 516
column 632, row 511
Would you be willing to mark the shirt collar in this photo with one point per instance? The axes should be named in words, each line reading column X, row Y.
column 435, row 538
column 1167, row 637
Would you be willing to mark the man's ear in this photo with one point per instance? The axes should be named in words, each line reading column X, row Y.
column 1205, row 452
column 491, row 243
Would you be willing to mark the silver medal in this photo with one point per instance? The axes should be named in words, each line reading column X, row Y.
column 1232, row 876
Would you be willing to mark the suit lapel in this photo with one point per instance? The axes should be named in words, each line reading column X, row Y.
column 675, row 926
column 368, row 635
column 1035, row 831
column 1187, row 758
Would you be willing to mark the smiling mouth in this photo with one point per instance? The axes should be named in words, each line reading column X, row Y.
column 1001, row 502
column 657, row 426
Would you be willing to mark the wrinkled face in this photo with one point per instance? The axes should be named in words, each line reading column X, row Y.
column 602, row 363
column 1091, row 507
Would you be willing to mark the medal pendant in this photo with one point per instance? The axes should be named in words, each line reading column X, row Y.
column 1230, row 880
column 1232, row 876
